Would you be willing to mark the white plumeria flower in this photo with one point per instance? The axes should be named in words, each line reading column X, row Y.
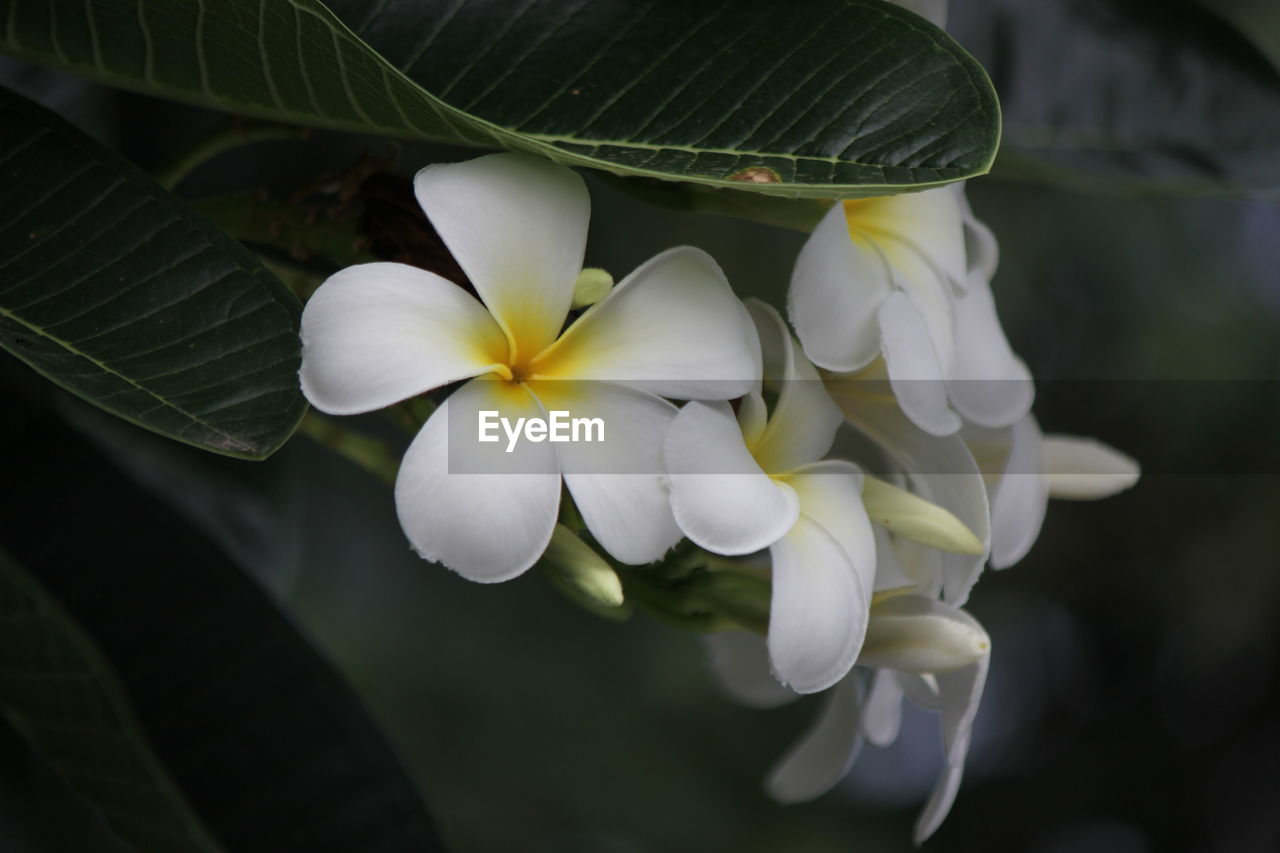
column 990, row 384
column 933, row 654
column 919, row 648
column 905, row 277
column 1025, row 468
column 740, row 484
column 379, row 333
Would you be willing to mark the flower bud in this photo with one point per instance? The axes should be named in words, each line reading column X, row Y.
column 1084, row 469
column 581, row 572
column 912, row 517
column 593, row 284
column 911, row 633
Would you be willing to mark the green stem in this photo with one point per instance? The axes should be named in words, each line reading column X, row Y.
column 719, row 600
column 369, row 453
column 232, row 134
column 411, row 414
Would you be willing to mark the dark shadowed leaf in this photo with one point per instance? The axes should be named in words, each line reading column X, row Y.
column 39, row 812
column 250, row 511
column 1117, row 94
column 808, row 98
column 63, row 697
column 119, row 292
column 269, row 746
column 1257, row 20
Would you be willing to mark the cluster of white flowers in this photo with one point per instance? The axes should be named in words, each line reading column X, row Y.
column 897, row 340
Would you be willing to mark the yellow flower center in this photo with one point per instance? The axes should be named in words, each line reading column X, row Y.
column 863, row 216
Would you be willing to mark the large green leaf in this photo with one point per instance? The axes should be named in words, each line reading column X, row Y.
column 808, row 98
column 1117, row 94
column 267, row 744
column 119, row 292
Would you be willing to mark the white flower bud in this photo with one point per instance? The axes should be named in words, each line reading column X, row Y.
column 914, row 634
column 912, row 517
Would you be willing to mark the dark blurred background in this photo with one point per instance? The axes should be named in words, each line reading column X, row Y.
column 1133, row 703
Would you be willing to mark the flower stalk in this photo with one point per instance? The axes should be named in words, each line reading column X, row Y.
column 233, row 134
column 369, row 453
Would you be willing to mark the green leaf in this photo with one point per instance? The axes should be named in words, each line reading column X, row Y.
column 117, row 291
column 63, row 697
column 813, row 98
column 270, row 748
column 1117, row 95
column 797, row 214
column 42, row 813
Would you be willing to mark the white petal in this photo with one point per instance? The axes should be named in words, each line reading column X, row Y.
column 939, row 805
column 914, row 371
column 928, row 225
column 960, row 693
column 487, row 527
column 721, row 499
column 830, row 494
column 990, row 385
column 740, row 662
column 921, row 688
column 836, row 289
column 772, row 336
column 1019, row 496
column 824, row 754
column 753, row 416
column 882, row 711
column 1086, row 469
column 376, row 334
column 804, row 422
column 890, row 573
column 939, row 469
column 617, row 483
column 517, row 225
column 933, row 298
column 817, row 611
column 982, row 252
column 673, row 327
